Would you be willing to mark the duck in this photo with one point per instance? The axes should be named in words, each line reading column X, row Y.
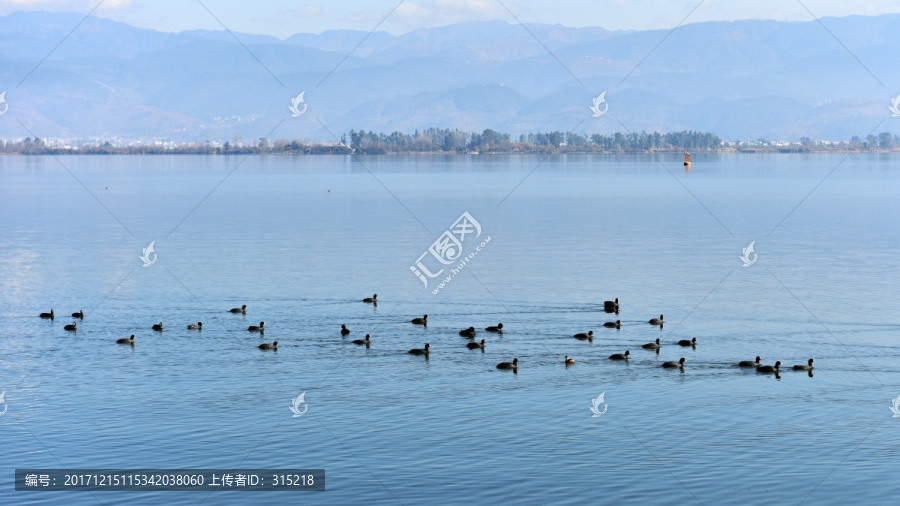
column 750, row 363
column 73, row 326
column 509, row 365
column 198, row 326
column 420, row 321
column 674, row 365
column 126, row 340
column 569, row 360
column 362, row 341
column 267, row 346
column 242, row 309
column 582, row 336
column 79, row 314
column 807, row 367
column 685, row 342
column 613, row 325
column 420, row 351
column 497, row 328
column 469, row 332
column 656, row 321
column 769, row 368
column 475, row 346
column 651, row 346
column 371, row 300
column 611, row 306
column 620, row 356
column 344, row 330
column 257, row 328
column 50, row 315
column 158, row 326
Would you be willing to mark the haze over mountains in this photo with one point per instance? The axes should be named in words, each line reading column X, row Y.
column 740, row 80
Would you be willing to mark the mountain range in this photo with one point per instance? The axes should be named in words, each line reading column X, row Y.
column 828, row 79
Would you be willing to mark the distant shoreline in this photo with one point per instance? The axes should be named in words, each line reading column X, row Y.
column 133, row 152
column 444, row 141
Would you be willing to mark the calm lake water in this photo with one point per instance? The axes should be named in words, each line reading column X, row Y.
column 301, row 240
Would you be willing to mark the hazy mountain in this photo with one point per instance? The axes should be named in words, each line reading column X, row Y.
column 743, row 79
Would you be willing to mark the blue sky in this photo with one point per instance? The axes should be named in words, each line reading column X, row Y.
column 282, row 18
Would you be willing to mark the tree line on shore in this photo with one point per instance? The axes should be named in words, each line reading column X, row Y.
column 445, row 140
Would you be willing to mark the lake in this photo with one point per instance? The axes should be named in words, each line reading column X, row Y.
column 302, row 240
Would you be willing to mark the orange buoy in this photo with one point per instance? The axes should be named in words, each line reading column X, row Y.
column 687, row 159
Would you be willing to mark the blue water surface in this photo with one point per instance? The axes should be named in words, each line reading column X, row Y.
column 302, row 239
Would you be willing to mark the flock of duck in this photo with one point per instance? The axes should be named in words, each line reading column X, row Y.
column 470, row 333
